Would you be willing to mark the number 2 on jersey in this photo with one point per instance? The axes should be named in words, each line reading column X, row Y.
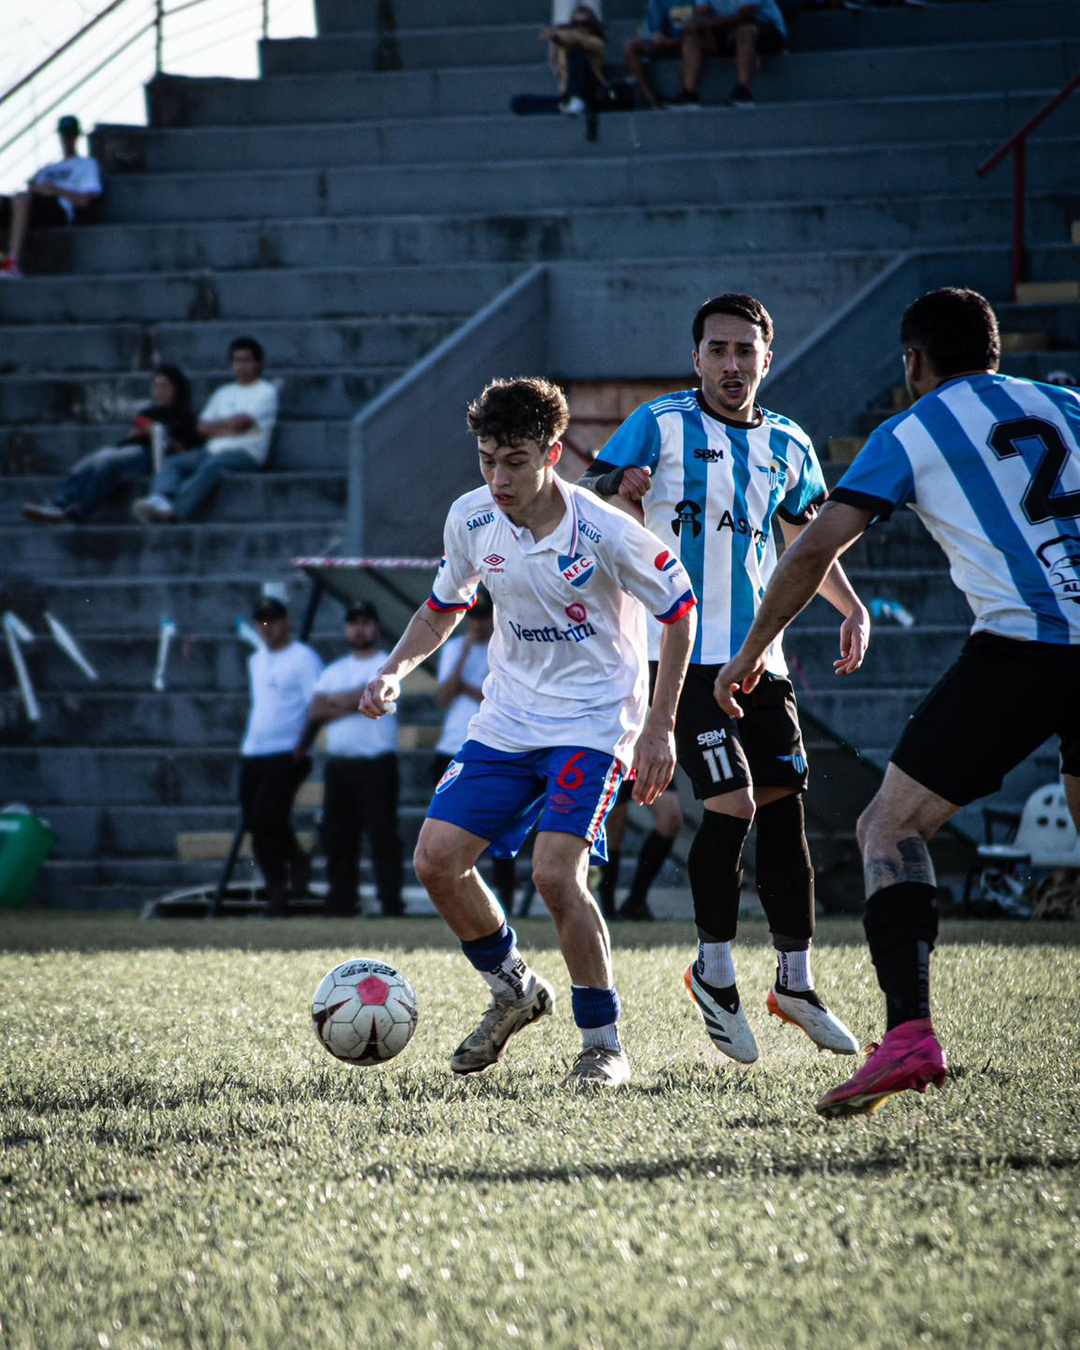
column 1039, row 501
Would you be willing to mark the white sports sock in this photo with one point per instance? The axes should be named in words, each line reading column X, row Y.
column 715, row 964
column 793, row 970
column 607, row 1037
column 512, row 978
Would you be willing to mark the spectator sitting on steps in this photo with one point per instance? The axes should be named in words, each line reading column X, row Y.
column 62, row 193
column 238, row 422
column 577, row 58
column 665, row 29
column 730, row 28
column 167, row 426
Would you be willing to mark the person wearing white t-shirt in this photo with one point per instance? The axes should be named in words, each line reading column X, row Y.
column 238, row 422
column 273, row 759
column 360, row 780
column 61, row 193
column 563, row 716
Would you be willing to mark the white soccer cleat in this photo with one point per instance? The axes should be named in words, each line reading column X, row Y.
column 728, row 1028
column 480, row 1049
column 598, row 1067
column 811, row 1015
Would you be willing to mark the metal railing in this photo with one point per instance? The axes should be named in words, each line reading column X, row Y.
column 1017, row 146
column 102, row 66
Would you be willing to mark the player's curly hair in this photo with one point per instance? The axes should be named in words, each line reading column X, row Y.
column 956, row 328
column 740, row 307
column 510, row 412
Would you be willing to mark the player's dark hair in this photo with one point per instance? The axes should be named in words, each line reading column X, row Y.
column 510, row 412
column 739, row 307
column 957, row 329
column 180, row 383
column 246, row 344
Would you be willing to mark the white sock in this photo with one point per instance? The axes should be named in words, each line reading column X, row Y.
column 793, row 970
column 607, row 1037
column 715, row 964
column 512, row 978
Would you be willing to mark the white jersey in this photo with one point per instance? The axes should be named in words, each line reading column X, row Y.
column 357, row 737
column 282, row 684
column 991, row 466
column 716, row 486
column 567, row 660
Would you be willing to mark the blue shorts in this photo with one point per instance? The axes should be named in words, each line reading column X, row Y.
column 499, row 796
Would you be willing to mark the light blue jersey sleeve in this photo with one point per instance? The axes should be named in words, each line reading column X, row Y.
column 637, row 442
column 880, row 479
column 768, row 11
column 806, row 492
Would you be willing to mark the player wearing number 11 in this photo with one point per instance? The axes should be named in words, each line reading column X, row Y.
column 991, row 465
column 562, row 718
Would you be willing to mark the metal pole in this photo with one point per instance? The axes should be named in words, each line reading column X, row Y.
column 1019, row 268
column 159, row 33
column 265, row 19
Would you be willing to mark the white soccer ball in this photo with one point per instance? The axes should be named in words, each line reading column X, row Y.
column 364, row 1011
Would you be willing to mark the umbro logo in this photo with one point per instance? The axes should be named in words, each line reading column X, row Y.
column 494, row 560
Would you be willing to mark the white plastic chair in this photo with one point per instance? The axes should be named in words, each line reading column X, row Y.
column 1045, row 838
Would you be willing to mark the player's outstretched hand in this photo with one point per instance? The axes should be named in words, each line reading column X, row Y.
column 379, row 696
column 854, row 640
column 636, row 481
column 654, row 764
column 739, row 673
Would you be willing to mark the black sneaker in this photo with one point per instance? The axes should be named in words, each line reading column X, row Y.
column 687, row 102
column 741, row 97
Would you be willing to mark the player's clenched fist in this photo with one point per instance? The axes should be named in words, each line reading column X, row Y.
column 635, row 482
column 380, row 695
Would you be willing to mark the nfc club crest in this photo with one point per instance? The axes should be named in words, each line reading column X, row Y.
column 577, row 570
column 452, row 771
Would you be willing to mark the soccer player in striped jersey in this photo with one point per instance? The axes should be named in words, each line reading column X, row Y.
column 562, row 718
column 715, row 474
column 991, row 465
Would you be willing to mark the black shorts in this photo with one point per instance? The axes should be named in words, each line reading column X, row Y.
column 769, row 41
column 625, row 795
column 1001, row 700
column 719, row 754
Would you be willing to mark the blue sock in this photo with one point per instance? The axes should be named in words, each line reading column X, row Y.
column 497, row 958
column 596, row 1012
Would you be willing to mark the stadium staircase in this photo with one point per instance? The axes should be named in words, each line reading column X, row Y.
column 351, row 208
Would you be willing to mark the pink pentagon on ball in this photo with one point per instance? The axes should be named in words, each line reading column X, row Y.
column 373, row 990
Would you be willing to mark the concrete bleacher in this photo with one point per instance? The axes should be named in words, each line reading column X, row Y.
column 351, row 209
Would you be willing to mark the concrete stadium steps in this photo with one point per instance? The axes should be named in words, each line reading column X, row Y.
column 495, row 39
column 838, row 74
column 494, row 136
column 90, row 396
column 43, row 448
column 270, row 497
column 256, row 296
column 295, row 344
column 1060, row 321
column 897, row 656
column 925, row 592
column 898, row 221
column 119, row 551
column 520, row 185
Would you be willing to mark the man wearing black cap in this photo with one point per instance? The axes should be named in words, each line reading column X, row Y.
column 58, row 194
column 361, row 776
column 273, row 762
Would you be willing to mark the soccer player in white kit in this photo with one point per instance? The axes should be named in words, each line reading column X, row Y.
column 991, row 465
column 564, row 715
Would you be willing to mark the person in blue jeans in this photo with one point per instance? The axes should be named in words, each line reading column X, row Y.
column 168, row 423
column 238, row 422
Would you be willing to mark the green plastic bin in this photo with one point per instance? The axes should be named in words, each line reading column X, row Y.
column 25, row 843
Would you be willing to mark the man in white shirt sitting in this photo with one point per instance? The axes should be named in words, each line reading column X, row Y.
column 273, row 762
column 360, row 781
column 238, row 422
column 59, row 194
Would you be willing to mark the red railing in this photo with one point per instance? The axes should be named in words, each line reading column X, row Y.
column 1017, row 144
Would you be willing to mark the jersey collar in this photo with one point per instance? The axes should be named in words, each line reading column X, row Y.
column 563, row 539
column 758, row 418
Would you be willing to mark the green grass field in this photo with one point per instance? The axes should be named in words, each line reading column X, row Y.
column 184, row 1165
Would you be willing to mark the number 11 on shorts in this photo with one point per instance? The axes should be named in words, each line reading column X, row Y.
column 722, row 771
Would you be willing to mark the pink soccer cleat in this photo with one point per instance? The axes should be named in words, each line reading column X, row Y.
column 908, row 1057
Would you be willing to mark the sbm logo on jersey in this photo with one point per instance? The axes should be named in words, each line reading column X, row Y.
column 710, row 454
column 577, row 570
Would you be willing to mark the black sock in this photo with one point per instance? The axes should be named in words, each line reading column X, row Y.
column 901, row 925
column 654, row 851
column 609, row 879
column 715, row 869
column 785, row 878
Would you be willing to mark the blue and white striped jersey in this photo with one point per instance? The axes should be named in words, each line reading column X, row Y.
column 716, row 486
column 991, row 465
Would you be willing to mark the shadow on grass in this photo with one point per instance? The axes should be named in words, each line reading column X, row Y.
column 32, row 931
